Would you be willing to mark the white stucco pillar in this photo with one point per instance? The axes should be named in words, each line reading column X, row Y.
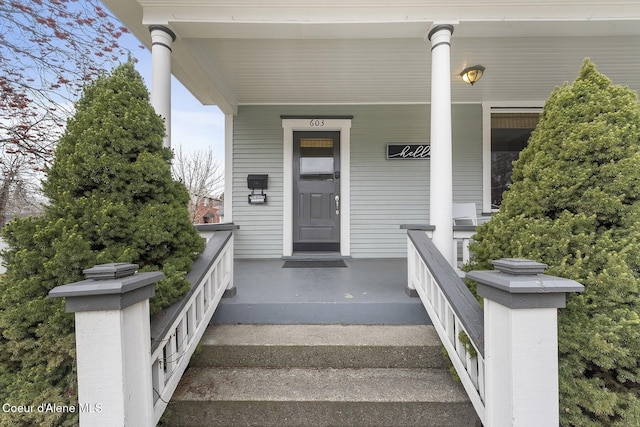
column 161, row 40
column 113, row 344
column 441, row 165
column 521, row 342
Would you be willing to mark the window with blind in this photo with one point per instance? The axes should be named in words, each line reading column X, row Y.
column 510, row 133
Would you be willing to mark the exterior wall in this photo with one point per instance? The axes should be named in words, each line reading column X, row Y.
column 257, row 149
column 384, row 193
column 387, row 193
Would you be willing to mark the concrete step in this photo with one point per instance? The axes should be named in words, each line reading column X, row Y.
column 320, row 346
column 319, row 375
column 319, row 397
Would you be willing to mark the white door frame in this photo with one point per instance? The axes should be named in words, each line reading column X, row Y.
column 317, row 124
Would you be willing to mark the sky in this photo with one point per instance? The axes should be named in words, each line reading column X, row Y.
column 194, row 127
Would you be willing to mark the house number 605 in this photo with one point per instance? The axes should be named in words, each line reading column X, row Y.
column 316, row 122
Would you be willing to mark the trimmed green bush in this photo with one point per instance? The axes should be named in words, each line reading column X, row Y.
column 112, row 199
column 574, row 204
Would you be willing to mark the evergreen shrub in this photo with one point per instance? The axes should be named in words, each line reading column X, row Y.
column 574, row 204
column 111, row 199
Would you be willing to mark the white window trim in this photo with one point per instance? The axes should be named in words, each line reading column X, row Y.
column 228, row 169
column 344, row 127
column 487, row 109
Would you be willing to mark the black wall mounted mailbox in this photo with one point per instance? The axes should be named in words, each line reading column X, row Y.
column 255, row 182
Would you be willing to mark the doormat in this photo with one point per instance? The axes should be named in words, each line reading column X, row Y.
column 314, row 264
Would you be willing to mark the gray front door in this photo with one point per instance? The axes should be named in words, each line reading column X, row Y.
column 316, row 191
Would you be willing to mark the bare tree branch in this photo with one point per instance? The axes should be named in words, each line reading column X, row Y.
column 49, row 50
column 201, row 173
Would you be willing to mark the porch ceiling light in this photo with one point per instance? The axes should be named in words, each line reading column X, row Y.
column 472, row 74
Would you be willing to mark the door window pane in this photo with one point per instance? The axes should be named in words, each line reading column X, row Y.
column 316, row 165
column 316, row 159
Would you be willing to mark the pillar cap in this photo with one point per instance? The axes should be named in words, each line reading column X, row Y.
column 519, row 266
column 104, row 290
column 110, row 271
column 519, row 283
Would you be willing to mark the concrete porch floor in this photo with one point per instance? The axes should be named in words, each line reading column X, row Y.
column 367, row 291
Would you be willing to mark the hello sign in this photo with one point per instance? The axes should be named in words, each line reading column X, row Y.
column 408, row 151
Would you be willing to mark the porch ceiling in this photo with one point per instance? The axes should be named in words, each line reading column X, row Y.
column 292, row 60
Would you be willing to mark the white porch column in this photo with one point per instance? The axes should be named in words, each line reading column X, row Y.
column 161, row 40
column 521, row 342
column 441, row 165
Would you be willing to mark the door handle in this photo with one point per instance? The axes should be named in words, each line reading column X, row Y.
column 337, row 199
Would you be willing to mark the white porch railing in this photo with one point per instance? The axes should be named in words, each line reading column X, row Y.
column 462, row 235
column 128, row 367
column 506, row 354
column 173, row 343
column 455, row 313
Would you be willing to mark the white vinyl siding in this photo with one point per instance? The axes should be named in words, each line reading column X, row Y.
column 257, row 149
column 467, row 154
column 384, row 193
column 387, row 193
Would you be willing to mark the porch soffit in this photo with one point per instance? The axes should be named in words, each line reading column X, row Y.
column 242, row 52
column 308, row 11
column 397, row 70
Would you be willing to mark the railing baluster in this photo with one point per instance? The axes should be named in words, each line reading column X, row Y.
column 170, row 355
column 461, row 240
column 199, row 303
column 182, row 337
column 450, row 322
column 465, row 251
column 472, row 368
column 220, row 272
column 213, row 286
column 157, row 378
column 460, row 348
column 206, row 289
column 191, row 315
